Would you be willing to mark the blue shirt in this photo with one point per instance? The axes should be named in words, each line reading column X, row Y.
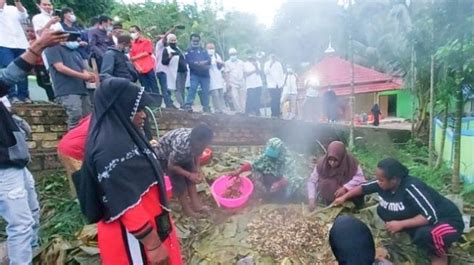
column 196, row 55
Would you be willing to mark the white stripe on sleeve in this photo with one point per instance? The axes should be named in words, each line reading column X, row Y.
column 427, row 202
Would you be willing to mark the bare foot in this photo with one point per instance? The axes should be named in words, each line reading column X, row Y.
column 189, row 212
column 202, row 208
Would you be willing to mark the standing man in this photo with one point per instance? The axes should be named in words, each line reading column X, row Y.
column 176, row 67
column 275, row 77
column 46, row 18
column 216, row 87
column 115, row 61
column 161, row 70
column 69, row 23
column 141, row 55
column 290, row 93
column 100, row 38
column 199, row 64
column 13, row 43
column 69, row 76
column 253, row 84
column 235, row 81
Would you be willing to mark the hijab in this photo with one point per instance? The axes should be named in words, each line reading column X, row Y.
column 347, row 250
column 118, row 157
column 330, row 178
column 278, row 161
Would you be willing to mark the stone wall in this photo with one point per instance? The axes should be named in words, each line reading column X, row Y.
column 48, row 123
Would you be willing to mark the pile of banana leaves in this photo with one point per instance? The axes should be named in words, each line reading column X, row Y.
column 258, row 233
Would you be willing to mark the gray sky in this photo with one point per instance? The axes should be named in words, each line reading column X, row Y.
column 263, row 9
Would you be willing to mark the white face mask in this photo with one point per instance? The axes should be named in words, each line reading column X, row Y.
column 211, row 51
column 134, row 35
column 73, row 18
column 47, row 13
column 233, row 58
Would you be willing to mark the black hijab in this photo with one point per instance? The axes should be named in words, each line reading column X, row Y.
column 119, row 165
column 351, row 241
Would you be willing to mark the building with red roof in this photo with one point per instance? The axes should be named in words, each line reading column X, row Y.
column 371, row 86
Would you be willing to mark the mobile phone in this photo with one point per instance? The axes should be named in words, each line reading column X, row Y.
column 73, row 35
column 57, row 12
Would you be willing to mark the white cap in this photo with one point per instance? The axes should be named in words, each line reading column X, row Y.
column 232, row 51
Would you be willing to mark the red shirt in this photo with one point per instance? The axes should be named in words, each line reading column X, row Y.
column 73, row 143
column 145, row 64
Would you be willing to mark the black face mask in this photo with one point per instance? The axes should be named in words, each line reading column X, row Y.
column 173, row 45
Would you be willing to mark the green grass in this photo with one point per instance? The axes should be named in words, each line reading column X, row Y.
column 413, row 155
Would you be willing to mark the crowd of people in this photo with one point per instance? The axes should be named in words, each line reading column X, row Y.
column 103, row 151
column 71, row 71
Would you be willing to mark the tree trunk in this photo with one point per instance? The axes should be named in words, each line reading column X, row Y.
column 443, row 135
column 412, row 83
column 457, row 140
column 432, row 109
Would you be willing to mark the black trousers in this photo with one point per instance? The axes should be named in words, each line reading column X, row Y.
column 275, row 95
column 254, row 95
column 43, row 80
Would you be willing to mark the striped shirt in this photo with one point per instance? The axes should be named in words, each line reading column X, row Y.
column 413, row 197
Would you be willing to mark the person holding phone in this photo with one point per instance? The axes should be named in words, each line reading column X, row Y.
column 18, row 199
column 47, row 18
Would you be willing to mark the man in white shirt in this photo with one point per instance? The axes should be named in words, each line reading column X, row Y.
column 13, row 43
column 275, row 77
column 253, row 84
column 46, row 18
column 289, row 93
column 235, row 81
column 161, row 70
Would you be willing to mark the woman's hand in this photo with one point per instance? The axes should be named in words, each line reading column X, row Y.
column 339, row 192
column 394, row 226
column 339, row 201
column 279, row 185
column 233, row 174
column 158, row 256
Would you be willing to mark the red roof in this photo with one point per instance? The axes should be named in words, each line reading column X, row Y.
column 335, row 73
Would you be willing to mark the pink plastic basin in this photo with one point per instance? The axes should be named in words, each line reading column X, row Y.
column 169, row 187
column 221, row 184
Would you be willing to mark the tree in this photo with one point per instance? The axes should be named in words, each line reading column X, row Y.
column 457, row 57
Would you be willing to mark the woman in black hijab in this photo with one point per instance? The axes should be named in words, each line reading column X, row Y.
column 376, row 112
column 121, row 183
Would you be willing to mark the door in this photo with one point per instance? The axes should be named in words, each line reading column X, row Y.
column 392, row 106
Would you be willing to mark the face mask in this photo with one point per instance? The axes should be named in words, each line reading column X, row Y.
column 109, row 28
column 50, row 13
column 233, row 58
column 173, row 45
column 195, row 44
column 73, row 18
column 72, row 45
column 126, row 50
column 211, row 52
column 115, row 40
column 134, row 35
